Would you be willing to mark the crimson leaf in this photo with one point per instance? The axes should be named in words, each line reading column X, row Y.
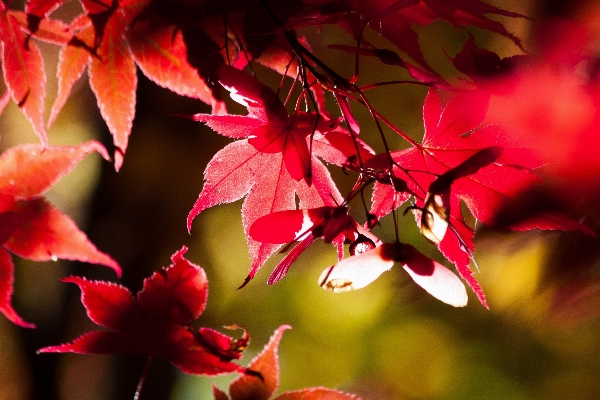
column 157, row 322
column 270, row 163
column 33, row 228
column 452, row 135
column 262, row 384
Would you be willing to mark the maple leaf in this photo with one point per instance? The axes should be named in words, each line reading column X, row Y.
column 269, row 164
column 481, row 65
column 30, row 226
column 452, row 136
column 435, row 214
column 22, row 62
column 112, row 75
column 110, row 39
column 157, row 322
column 161, row 53
column 23, row 69
column 263, row 384
column 333, row 224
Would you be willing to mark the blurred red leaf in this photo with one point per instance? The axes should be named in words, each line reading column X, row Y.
column 551, row 101
column 46, row 234
column 30, row 226
column 394, row 20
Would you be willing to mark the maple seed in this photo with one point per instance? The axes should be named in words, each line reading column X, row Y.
column 435, row 215
column 360, row 270
column 306, row 225
column 335, row 285
column 362, row 244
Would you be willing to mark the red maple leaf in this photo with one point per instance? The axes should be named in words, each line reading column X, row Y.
column 110, row 39
column 157, row 322
column 482, row 65
column 23, row 69
column 333, row 224
column 271, row 163
column 30, row 226
column 22, row 62
column 453, row 133
column 263, row 386
column 111, row 72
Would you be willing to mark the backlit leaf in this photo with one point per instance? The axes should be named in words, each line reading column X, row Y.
column 24, row 73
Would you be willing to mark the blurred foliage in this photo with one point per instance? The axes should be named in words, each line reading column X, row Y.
column 540, row 340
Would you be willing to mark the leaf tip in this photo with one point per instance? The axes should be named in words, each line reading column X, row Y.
column 118, row 160
column 117, row 268
column 190, row 220
column 10, row 313
column 94, row 145
column 73, row 279
column 179, row 254
column 246, row 281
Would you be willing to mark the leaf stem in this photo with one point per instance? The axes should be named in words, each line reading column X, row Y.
column 140, row 384
column 376, row 85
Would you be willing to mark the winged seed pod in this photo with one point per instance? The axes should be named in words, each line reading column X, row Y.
column 360, row 270
column 435, row 216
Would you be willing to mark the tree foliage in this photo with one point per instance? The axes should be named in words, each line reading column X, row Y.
column 496, row 131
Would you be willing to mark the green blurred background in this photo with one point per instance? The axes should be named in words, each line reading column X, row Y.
column 539, row 340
